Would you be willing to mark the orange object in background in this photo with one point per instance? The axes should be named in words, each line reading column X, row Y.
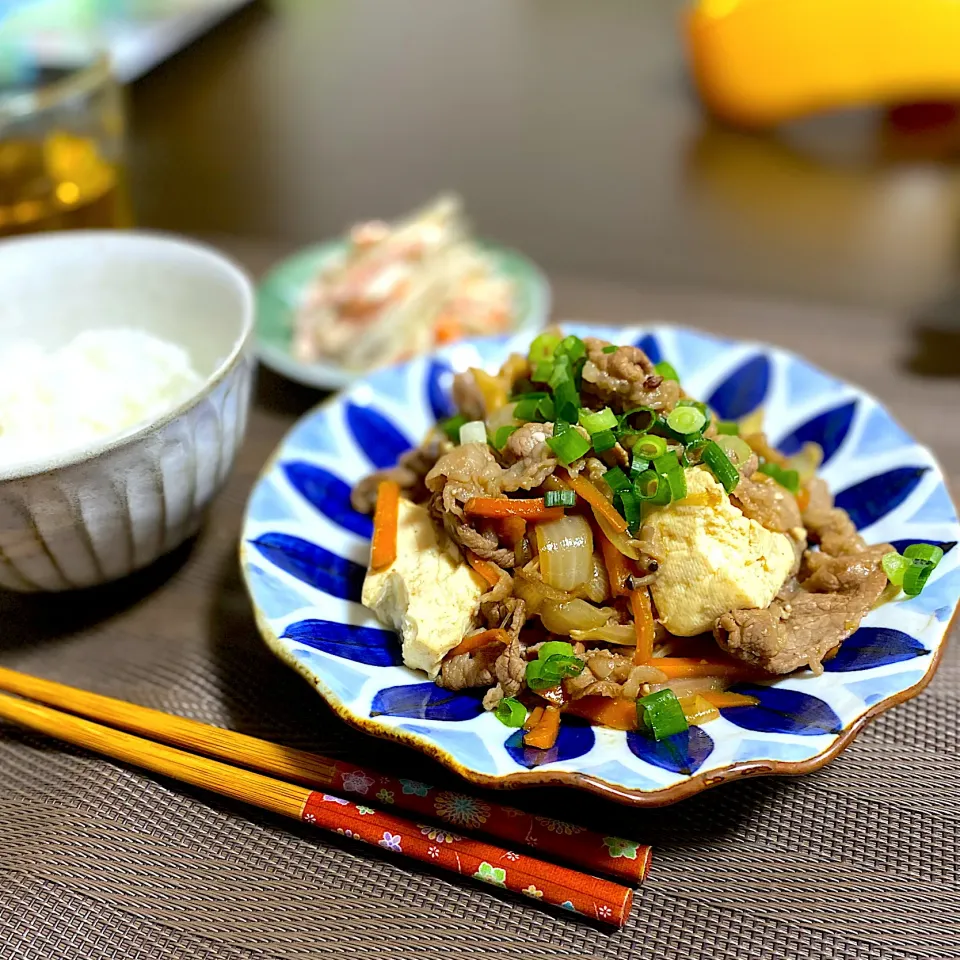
column 758, row 63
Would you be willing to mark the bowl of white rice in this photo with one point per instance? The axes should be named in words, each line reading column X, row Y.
column 125, row 375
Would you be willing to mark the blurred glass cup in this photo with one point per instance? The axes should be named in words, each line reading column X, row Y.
column 61, row 140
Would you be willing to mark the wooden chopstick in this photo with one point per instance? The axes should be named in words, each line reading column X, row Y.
column 596, row 898
column 572, row 844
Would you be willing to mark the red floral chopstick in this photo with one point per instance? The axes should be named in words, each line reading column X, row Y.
column 548, row 883
column 554, row 838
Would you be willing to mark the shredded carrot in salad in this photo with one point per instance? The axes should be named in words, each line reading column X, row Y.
column 386, row 517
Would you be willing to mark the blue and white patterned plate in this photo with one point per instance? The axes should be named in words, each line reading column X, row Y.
column 304, row 553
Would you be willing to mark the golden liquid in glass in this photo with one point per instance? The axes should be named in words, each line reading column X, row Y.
column 58, row 183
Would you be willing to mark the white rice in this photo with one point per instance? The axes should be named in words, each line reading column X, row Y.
column 101, row 383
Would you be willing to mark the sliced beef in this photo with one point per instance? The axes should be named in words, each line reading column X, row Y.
column 529, row 460
column 828, row 525
column 625, row 378
column 761, row 498
column 467, row 670
column 804, row 624
column 410, row 473
column 485, row 545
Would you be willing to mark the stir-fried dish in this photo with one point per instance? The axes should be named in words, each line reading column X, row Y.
column 401, row 289
column 585, row 538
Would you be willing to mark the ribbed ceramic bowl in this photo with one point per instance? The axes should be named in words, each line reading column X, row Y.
column 305, row 552
column 97, row 512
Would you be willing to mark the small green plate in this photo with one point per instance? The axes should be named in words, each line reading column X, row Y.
column 282, row 290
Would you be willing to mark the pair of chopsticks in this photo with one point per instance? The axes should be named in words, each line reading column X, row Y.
column 184, row 750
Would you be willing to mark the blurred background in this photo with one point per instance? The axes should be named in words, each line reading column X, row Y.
column 574, row 131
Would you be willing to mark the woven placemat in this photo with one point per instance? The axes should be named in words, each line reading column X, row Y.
column 98, row 860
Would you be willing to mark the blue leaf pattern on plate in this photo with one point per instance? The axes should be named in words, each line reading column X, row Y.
column 945, row 545
column 873, row 647
column 329, row 495
column 439, row 374
column 379, row 648
column 682, row 753
column 575, row 739
column 649, row 345
column 872, row 499
column 426, row 701
column 376, row 436
column 743, row 390
column 313, row 564
column 829, row 429
column 783, row 711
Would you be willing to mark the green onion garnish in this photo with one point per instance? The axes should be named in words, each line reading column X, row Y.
column 501, row 435
column 661, row 715
column 603, row 441
column 789, row 479
column 690, row 402
column 650, row 447
column 686, row 421
column 894, row 566
column 616, row 479
column 546, row 409
column 629, row 508
column 693, row 452
column 573, row 347
column 916, row 575
column 452, row 427
column 647, row 484
column 667, row 463
column 561, row 667
column 730, row 427
column 677, row 481
column 628, row 427
column 536, row 679
column 720, row 466
column 559, row 498
column 610, row 348
column 511, row 712
column 605, row 419
column 666, row 370
column 567, row 443
column 555, row 648
column 638, row 465
column 529, row 395
column 528, row 409
column 543, row 348
column 566, row 400
column 924, row 551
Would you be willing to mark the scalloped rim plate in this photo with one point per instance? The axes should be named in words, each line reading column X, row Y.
column 304, row 552
column 283, row 288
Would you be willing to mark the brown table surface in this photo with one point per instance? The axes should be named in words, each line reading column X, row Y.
column 99, row 860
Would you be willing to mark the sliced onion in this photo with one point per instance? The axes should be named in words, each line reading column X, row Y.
column 626, row 544
column 534, row 592
column 561, row 618
column 806, row 462
column 473, row 432
column 692, row 685
column 597, row 588
column 566, row 551
column 621, row 634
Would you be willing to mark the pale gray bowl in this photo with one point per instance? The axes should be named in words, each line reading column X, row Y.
column 99, row 511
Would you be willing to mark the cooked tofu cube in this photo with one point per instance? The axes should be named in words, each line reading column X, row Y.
column 429, row 595
column 715, row 559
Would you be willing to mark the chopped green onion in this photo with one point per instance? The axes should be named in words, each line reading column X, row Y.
column 528, row 409
column 666, row 370
column 566, row 399
column 546, row 409
column 536, row 679
column 572, row 347
column 529, row 395
column 737, row 449
column 661, row 715
column 543, row 348
column 686, row 421
column 667, row 463
column 611, row 348
column 789, row 479
column 730, row 427
column 677, row 481
column 629, row 508
column 693, row 452
column 894, row 566
column 502, row 434
column 916, row 575
column 924, row 551
column 567, row 443
column 603, row 441
column 639, row 465
column 555, row 648
column 511, row 712
column 559, row 498
column 541, row 372
column 647, row 484
column 626, row 427
column 561, row 667
column 690, row 402
column 616, row 479
column 452, row 427
column 720, row 466
column 650, row 447
column 605, row 419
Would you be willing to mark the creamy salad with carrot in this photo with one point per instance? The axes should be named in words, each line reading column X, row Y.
column 586, row 538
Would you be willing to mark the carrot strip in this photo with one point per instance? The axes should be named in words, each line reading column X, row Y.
column 543, row 735
column 618, row 714
column 615, row 562
column 478, row 640
column 535, row 714
column 489, row 571
column 386, row 517
column 512, row 529
column 598, row 502
column 682, row 667
column 642, row 624
column 533, row 509
column 727, row 699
